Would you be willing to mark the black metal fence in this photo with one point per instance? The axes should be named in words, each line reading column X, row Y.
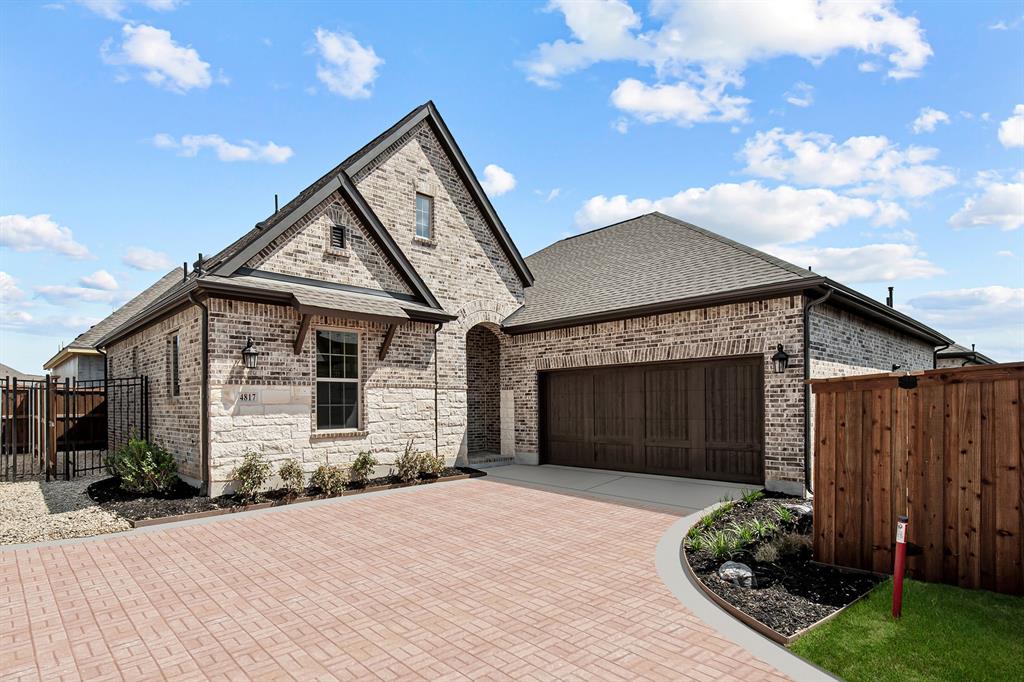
column 64, row 428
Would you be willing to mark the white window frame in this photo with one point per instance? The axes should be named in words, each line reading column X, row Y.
column 358, row 381
column 430, row 217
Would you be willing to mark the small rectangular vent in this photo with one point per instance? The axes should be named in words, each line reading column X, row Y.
column 338, row 237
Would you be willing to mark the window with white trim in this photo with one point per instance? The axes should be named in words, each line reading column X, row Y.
column 337, row 379
column 424, row 216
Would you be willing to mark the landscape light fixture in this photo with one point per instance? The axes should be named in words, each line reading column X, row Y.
column 250, row 355
column 780, row 361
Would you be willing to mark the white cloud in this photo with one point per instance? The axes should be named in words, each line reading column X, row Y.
column 1011, row 131
column 114, row 9
column 927, row 119
column 994, row 305
column 26, row 323
column 141, row 258
column 1000, row 204
column 164, row 63
column 9, row 289
column 749, row 212
column 866, row 164
column 869, row 263
column 39, row 233
column 802, row 95
column 553, row 194
column 101, row 280
column 620, row 125
column 700, row 47
column 190, row 145
column 62, row 294
column 348, row 68
column 1006, row 254
column 1004, row 25
column 867, row 67
column 497, row 180
column 681, row 102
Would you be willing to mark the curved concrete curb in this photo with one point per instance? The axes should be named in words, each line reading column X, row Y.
column 670, row 569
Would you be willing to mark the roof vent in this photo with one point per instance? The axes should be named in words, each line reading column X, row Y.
column 888, row 299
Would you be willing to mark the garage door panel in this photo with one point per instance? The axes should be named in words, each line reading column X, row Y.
column 697, row 419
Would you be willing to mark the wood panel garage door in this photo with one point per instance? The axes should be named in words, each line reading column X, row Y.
column 696, row 419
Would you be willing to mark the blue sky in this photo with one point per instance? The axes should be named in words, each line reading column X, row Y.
column 882, row 143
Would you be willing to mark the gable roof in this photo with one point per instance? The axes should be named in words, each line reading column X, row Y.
column 656, row 263
column 340, row 177
column 88, row 341
column 8, row 372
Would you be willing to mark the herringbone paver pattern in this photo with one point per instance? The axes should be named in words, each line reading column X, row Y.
column 475, row 580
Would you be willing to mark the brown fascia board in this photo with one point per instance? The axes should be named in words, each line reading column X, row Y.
column 882, row 313
column 757, row 293
column 180, row 299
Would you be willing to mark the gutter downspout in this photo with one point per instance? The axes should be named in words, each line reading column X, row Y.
column 807, row 389
column 935, row 355
column 204, row 400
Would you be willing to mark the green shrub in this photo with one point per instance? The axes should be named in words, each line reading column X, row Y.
column 763, row 528
column 431, row 464
column 252, row 474
column 293, row 478
column 721, row 544
column 407, row 464
column 743, row 533
column 362, row 467
column 750, row 496
column 786, row 515
column 329, row 479
column 143, row 467
column 695, row 543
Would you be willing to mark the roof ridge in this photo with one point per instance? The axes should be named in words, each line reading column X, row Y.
column 767, row 257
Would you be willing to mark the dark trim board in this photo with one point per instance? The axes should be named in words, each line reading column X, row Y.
column 700, row 418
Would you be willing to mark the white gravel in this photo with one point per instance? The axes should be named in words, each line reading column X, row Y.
column 34, row 511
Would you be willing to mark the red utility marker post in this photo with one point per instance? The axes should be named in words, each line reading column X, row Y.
column 901, row 559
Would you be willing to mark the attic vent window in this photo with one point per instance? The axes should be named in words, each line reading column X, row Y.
column 338, row 237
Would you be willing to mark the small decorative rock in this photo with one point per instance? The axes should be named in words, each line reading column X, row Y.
column 802, row 511
column 736, row 573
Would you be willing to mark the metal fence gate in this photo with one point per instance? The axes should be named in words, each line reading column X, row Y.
column 65, row 428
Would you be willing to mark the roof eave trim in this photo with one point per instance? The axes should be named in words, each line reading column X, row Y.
column 678, row 305
column 883, row 313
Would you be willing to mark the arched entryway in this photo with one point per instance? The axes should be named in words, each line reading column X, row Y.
column 483, row 393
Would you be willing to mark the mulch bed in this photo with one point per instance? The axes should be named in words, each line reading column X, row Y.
column 185, row 499
column 791, row 593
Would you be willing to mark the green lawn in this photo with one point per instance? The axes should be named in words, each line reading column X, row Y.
column 946, row 633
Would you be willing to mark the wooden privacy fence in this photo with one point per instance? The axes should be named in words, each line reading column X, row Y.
column 941, row 446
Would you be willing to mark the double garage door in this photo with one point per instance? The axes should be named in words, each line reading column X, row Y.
column 697, row 419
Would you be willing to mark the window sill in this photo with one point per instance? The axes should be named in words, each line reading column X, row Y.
column 337, row 434
column 423, row 241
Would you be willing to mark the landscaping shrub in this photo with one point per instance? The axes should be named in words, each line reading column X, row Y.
column 743, row 533
column 362, row 467
column 431, row 464
column 751, row 496
column 329, row 479
column 786, row 515
column 720, row 544
column 767, row 553
column 292, row 477
column 143, row 467
column 252, row 474
column 407, row 464
column 762, row 528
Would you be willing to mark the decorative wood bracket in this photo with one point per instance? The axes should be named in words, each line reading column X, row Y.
column 392, row 328
column 303, row 330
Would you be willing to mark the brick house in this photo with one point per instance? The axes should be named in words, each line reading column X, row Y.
column 387, row 302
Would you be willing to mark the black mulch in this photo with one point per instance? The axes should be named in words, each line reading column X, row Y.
column 792, row 593
column 184, row 499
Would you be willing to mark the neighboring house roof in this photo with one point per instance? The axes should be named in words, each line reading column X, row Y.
column 6, row 371
column 958, row 352
column 656, row 263
column 86, row 343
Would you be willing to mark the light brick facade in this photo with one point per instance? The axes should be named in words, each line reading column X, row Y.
column 478, row 391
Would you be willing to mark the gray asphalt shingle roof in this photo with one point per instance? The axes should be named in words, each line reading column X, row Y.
column 647, row 260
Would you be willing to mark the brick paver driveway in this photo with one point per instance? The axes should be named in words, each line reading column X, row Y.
column 476, row 579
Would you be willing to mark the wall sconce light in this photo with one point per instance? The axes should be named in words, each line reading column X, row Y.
column 250, row 355
column 780, row 361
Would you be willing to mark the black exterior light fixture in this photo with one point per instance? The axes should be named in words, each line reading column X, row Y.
column 250, row 355
column 780, row 361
